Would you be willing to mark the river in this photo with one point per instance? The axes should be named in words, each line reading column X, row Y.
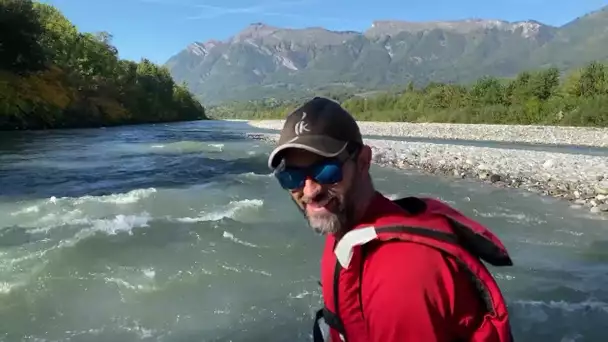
column 177, row 233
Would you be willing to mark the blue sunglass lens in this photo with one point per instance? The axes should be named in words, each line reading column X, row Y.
column 291, row 179
column 326, row 173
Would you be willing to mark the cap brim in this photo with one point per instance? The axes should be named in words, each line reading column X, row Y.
column 317, row 144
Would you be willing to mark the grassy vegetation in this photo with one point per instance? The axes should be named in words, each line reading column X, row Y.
column 53, row 76
column 578, row 98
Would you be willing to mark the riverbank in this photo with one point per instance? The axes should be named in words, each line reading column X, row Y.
column 554, row 135
column 580, row 179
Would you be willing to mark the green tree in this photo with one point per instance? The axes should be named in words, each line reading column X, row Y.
column 487, row 91
column 544, row 83
column 593, row 80
column 75, row 79
column 20, row 34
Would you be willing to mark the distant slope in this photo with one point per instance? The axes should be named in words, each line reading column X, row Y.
column 263, row 60
column 577, row 42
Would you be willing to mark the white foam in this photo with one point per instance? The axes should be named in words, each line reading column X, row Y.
column 52, row 220
column 132, row 196
column 245, row 268
column 545, row 243
column 255, row 175
column 220, row 147
column 231, row 237
column 123, row 283
column 149, row 272
column 511, row 217
column 6, row 287
column 231, row 268
column 301, row 295
column 502, row 276
column 234, row 208
column 570, row 232
column 140, row 331
column 187, row 146
column 26, row 210
column 122, row 223
column 566, row 306
column 43, row 215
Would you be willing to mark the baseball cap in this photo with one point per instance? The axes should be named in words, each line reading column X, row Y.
column 321, row 126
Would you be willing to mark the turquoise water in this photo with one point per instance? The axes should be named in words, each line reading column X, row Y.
column 177, row 233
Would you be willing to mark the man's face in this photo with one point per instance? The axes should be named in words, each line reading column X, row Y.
column 329, row 208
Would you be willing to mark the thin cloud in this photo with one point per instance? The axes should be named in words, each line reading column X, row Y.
column 210, row 12
column 268, row 9
column 198, row 4
column 165, row 2
column 300, row 16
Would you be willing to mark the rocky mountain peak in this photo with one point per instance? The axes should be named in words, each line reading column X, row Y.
column 381, row 28
column 202, row 49
column 254, row 31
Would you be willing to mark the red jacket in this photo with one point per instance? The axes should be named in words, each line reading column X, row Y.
column 427, row 284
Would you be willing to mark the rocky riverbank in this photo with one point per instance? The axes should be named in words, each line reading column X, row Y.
column 580, row 179
column 553, row 135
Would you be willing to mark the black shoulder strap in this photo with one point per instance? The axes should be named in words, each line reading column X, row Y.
column 413, row 205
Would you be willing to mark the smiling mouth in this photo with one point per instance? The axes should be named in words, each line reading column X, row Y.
column 322, row 205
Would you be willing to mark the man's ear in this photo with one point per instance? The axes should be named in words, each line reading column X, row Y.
column 365, row 158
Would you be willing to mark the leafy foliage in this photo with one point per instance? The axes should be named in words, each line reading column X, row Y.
column 579, row 98
column 52, row 76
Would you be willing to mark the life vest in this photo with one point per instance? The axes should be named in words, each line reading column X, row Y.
column 429, row 222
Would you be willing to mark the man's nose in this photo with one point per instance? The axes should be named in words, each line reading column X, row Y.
column 311, row 188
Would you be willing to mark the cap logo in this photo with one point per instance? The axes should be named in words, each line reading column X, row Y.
column 301, row 126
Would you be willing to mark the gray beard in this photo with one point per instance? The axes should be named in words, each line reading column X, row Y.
column 336, row 223
column 328, row 223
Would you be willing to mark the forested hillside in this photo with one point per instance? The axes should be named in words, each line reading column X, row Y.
column 579, row 98
column 53, row 76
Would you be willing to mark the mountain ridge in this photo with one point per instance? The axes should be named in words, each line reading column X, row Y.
column 412, row 26
column 263, row 60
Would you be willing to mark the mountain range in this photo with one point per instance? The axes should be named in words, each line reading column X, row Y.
column 267, row 61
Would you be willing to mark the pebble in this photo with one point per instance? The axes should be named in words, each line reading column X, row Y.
column 580, row 179
column 553, row 135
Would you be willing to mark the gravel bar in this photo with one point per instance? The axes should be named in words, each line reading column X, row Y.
column 548, row 135
column 580, row 179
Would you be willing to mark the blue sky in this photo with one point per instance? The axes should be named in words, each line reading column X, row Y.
column 158, row 29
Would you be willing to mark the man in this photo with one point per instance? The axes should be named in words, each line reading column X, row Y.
column 404, row 270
